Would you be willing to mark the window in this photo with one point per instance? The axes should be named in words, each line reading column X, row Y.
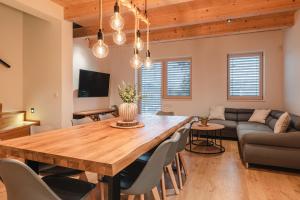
column 166, row 79
column 151, row 88
column 245, row 76
column 177, row 82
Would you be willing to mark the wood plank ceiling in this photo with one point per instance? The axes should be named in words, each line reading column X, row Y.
column 180, row 19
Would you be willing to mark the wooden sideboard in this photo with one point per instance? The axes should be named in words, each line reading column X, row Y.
column 14, row 124
column 93, row 114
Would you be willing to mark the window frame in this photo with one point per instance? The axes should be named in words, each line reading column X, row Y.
column 261, row 81
column 165, row 77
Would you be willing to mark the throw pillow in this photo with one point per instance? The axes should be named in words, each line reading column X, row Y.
column 217, row 112
column 259, row 116
column 282, row 123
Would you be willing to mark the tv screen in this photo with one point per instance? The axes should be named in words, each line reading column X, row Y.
column 93, row 84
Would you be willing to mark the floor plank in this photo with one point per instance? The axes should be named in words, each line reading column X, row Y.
column 223, row 176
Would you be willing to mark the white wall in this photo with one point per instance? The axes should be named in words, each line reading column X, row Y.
column 42, row 69
column 38, row 8
column 84, row 59
column 292, row 67
column 11, row 41
column 209, row 57
column 38, row 44
column 48, row 80
column 67, row 74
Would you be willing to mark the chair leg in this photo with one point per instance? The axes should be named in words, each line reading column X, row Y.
column 182, row 160
column 93, row 195
column 100, row 186
column 142, row 197
column 178, row 166
column 131, row 197
column 155, row 193
column 173, row 180
column 83, row 176
column 247, row 165
column 163, row 187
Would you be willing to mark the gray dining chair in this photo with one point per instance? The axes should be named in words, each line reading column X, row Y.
column 168, row 167
column 180, row 161
column 84, row 120
column 48, row 169
column 22, row 183
column 173, row 155
column 151, row 173
column 106, row 116
column 164, row 113
column 116, row 110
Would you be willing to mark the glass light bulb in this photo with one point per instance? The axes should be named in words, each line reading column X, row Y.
column 119, row 37
column 100, row 49
column 117, row 21
column 139, row 45
column 148, row 63
column 136, row 62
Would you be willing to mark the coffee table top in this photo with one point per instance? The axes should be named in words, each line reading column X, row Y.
column 209, row 127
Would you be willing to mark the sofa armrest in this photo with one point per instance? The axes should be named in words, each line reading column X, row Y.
column 291, row 139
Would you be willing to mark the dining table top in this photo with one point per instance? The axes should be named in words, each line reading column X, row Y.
column 95, row 147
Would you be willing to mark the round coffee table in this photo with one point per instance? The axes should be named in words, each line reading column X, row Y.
column 212, row 132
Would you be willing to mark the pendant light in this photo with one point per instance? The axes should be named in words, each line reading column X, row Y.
column 148, row 61
column 136, row 62
column 119, row 37
column 139, row 44
column 117, row 21
column 100, row 49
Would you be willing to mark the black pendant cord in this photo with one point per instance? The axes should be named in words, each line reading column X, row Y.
column 4, row 63
column 146, row 8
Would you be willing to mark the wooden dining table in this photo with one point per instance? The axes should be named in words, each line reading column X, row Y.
column 95, row 147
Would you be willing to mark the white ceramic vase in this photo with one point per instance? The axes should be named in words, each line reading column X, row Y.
column 128, row 111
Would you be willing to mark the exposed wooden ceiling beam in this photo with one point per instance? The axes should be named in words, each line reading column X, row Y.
column 243, row 25
column 85, row 8
column 199, row 11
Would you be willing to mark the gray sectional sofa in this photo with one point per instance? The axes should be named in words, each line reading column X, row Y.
column 258, row 144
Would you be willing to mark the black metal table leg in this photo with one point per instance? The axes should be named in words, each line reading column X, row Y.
column 33, row 165
column 190, row 139
column 114, row 190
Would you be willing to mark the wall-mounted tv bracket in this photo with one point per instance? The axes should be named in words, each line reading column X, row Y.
column 4, row 63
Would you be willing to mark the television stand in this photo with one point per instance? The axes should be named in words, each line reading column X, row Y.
column 93, row 114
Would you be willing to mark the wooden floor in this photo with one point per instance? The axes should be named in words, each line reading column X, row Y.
column 224, row 177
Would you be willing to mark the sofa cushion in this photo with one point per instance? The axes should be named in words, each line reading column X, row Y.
column 226, row 123
column 244, row 132
column 295, row 122
column 249, row 128
column 275, row 114
column 282, row 123
column 289, row 140
column 253, row 127
column 217, row 112
column 260, row 116
column 231, row 114
column 270, row 121
column 272, row 118
column 244, row 114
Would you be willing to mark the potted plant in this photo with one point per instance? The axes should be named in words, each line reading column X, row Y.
column 128, row 110
column 204, row 121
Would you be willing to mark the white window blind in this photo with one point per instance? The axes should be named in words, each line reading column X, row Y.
column 151, row 88
column 245, row 76
column 178, row 81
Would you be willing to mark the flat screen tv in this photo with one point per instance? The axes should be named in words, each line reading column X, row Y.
column 93, row 84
